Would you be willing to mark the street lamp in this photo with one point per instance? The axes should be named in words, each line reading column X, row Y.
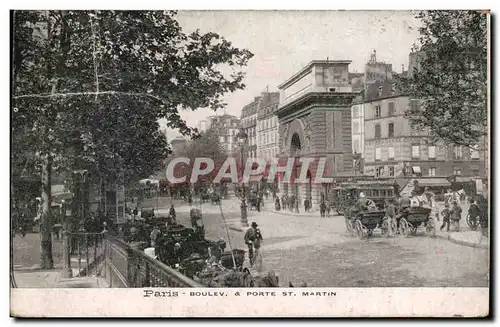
column 355, row 158
column 242, row 138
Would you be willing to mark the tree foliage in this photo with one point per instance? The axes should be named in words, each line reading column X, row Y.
column 144, row 57
column 450, row 80
column 90, row 86
column 204, row 145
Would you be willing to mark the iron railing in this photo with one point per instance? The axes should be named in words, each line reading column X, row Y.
column 86, row 252
column 121, row 264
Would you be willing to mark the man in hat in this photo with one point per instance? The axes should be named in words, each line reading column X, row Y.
column 252, row 239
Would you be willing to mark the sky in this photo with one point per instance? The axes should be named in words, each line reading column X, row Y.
column 283, row 42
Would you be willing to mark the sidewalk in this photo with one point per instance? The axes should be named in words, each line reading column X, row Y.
column 465, row 237
column 35, row 278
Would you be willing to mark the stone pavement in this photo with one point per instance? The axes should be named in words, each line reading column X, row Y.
column 465, row 236
column 34, row 278
column 27, row 272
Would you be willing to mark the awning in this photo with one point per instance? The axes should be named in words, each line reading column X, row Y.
column 416, row 170
column 433, row 182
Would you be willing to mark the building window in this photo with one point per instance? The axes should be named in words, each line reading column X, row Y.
column 391, row 130
column 391, row 173
column 392, row 110
column 432, row 152
column 379, row 172
column 474, row 153
column 457, row 171
column 457, row 152
column 415, row 151
column 377, row 131
column 391, row 153
column 221, row 139
column 377, row 154
column 432, row 171
column 378, row 111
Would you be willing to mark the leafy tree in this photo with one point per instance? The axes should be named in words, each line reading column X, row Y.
column 90, row 86
column 450, row 82
column 207, row 145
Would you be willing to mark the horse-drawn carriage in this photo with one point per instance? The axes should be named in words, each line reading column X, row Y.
column 363, row 221
column 214, row 198
column 417, row 217
column 347, row 193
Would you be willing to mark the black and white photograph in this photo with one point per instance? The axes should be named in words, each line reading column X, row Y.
column 320, row 150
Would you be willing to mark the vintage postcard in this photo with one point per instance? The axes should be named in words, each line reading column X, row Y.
column 250, row 163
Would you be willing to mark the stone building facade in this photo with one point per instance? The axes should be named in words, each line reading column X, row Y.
column 248, row 122
column 268, row 126
column 226, row 127
column 315, row 121
column 394, row 148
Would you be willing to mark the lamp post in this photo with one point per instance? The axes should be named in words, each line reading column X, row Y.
column 355, row 158
column 242, row 140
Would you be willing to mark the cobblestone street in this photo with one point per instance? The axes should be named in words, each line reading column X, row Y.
column 319, row 252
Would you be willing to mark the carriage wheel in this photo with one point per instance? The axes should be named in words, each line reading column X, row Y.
column 471, row 222
column 430, row 227
column 348, row 226
column 403, row 225
column 385, row 228
column 394, row 226
column 359, row 229
column 413, row 230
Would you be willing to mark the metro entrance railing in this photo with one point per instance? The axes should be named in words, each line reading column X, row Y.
column 119, row 263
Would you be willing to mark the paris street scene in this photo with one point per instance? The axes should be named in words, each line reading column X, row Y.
column 239, row 149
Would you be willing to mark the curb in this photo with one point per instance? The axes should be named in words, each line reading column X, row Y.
column 293, row 213
column 465, row 243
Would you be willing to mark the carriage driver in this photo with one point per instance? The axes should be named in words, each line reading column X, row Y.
column 362, row 202
column 253, row 237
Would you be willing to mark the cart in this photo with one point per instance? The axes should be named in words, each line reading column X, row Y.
column 415, row 218
column 367, row 221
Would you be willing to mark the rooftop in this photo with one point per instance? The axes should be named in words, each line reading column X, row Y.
column 308, row 67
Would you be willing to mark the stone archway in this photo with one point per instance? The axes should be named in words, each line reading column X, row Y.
column 295, row 145
column 295, row 149
column 309, row 185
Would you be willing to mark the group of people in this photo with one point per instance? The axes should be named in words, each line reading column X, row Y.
column 451, row 214
column 292, row 203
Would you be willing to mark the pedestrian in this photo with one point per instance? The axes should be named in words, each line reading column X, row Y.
column 172, row 212
column 322, row 209
column 390, row 212
column 154, row 236
column 283, row 202
column 306, row 205
column 328, row 208
column 252, row 237
column 277, row 205
column 446, row 213
column 473, row 212
column 456, row 215
column 404, row 205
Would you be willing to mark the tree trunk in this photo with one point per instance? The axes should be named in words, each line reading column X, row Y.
column 46, row 259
